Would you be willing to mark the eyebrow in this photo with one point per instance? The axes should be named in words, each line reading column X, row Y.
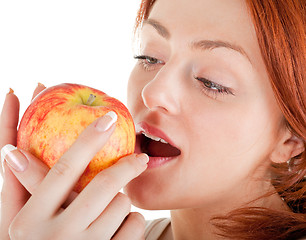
column 163, row 31
column 201, row 44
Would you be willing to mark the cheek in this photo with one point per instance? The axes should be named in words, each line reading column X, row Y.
column 230, row 141
column 233, row 132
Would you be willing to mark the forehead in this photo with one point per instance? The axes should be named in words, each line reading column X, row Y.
column 208, row 14
column 191, row 20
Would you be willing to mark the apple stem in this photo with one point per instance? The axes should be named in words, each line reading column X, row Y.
column 90, row 99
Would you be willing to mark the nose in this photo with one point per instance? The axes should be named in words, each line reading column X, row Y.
column 162, row 92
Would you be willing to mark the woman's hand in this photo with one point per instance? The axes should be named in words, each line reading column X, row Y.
column 13, row 194
column 98, row 212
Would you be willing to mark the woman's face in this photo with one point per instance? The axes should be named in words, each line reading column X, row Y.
column 200, row 80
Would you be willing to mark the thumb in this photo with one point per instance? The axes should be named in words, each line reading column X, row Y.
column 28, row 169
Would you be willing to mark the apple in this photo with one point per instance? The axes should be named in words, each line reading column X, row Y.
column 57, row 116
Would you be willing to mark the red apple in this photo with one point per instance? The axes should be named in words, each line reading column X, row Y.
column 57, row 116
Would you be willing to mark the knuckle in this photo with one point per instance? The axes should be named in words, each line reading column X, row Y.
column 124, row 201
column 137, row 220
column 17, row 230
column 62, row 168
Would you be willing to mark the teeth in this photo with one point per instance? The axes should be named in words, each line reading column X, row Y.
column 154, row 138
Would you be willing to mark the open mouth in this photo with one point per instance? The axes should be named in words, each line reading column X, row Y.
column 156, row 147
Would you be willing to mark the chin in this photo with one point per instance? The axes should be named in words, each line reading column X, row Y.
column 140, row 194
column 151, row 193
column 146, row 196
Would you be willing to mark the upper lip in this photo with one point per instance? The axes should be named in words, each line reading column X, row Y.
column 145, row 127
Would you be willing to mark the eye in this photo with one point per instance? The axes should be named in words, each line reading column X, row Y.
column 148, row 62
column 213, row 88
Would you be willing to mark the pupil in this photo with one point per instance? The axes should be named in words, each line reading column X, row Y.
column 151, row 60
column 208, row 84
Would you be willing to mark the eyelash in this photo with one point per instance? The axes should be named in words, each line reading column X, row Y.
column 146, row 62
column 214, row 88
column 209, row 87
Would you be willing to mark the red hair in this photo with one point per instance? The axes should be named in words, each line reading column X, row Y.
column 280, row 28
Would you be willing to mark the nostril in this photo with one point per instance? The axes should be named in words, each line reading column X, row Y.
column 159, row 108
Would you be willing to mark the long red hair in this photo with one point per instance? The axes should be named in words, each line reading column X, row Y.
column 280, row 27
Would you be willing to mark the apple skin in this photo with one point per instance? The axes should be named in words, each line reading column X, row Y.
column 57, row 116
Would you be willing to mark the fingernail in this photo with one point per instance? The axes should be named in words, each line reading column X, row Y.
column 105, row 122
column 40, row 84
column 15, row 159
column 10, row 91
column 143, row 158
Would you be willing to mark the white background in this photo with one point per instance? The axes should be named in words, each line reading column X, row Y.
column 52, row 42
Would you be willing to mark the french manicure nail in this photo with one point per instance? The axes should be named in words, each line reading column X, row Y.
column 143, row 158
column 15, row 159
column 105, row 122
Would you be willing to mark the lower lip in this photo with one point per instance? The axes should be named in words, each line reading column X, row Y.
column 159, row 161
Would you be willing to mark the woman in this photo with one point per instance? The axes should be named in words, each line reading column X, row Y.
column 223, row 83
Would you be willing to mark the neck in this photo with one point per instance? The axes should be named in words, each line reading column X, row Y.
column 195, row 223
column 191, row 224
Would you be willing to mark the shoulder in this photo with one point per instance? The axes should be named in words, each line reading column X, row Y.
column 154, row 228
